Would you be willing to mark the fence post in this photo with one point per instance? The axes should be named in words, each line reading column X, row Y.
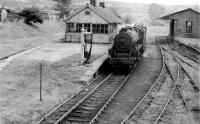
column 40, row 81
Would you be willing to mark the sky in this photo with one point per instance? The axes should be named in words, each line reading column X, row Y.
column 164, row 2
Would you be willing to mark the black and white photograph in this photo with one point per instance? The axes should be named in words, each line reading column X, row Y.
column 99, row 61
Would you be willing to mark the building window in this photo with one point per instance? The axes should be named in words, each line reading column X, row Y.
column 106, row 29
column 87, row 12
column 70, row 27
column 100, row 28
column 78, row 27
column 87, row 27
column 188, row 27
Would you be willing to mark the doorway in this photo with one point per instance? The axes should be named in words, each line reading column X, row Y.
column 172, row 27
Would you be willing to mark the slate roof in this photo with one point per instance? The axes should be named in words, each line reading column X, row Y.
column 102, row 12
column 168, row 16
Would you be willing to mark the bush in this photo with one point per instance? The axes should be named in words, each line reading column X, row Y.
column 31, row 15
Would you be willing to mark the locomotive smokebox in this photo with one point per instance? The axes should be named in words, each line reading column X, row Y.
column 123, row 42
column 126, row 39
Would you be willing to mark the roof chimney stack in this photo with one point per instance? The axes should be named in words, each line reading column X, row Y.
column 102, row 4
column 93, row 2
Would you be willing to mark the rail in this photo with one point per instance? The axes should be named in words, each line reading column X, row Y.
column 111, row 98
column 58, row 121
column 67, row 100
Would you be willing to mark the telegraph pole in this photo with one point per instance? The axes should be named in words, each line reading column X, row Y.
column 40, row 81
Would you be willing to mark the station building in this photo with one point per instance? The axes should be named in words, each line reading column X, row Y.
column 185, row 23
column 96, row 19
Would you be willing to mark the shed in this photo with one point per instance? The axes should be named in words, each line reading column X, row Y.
column 96, row 19
column 3, row 13
column 184, row 23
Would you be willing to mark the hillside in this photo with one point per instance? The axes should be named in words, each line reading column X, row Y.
column 122, row 7
column 19, row 36
column 138, row 11
column 27, row 3
column 21, row 30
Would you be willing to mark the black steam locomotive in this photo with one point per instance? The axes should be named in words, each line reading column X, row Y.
column 128, row 46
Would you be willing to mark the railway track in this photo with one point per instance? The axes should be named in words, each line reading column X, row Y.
column 88, row 108
column 151, row 109
column 127, row 98
column 93, row 108
column 2, row 59
column 74, row 99
column 194, row 56
column 186, row 85
column 6, row 57
column 180, row 58
column 190, row 56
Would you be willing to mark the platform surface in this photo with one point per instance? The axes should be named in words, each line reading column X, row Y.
column 189, row 41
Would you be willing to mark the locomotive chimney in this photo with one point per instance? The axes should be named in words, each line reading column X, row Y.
column 102, row 4
column 93, row 2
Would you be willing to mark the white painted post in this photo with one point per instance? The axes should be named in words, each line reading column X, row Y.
column 82, row 46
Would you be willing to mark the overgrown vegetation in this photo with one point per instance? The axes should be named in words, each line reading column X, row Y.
column 63, row 7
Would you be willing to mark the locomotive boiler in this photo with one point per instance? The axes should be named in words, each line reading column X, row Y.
column 128, row 46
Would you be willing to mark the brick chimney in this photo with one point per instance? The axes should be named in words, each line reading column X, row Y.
column 93, row 2
column 102, row 4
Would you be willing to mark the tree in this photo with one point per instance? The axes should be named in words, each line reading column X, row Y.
column 156, row 10
column 62, row 6
column 31, row 15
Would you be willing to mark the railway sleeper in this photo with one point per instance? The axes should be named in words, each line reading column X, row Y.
column 91, row 105
column 92, row 101
column 80, row 110
column 105, row 91
column 74, row 119
column 56, row 116
column 87, row 108
column 81, row 115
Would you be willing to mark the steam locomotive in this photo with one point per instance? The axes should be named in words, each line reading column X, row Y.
column 128, row 46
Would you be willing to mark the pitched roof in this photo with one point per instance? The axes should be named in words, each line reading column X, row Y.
column 102, row 12
column 168, row 16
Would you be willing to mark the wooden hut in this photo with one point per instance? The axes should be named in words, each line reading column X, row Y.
column 96, row 19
